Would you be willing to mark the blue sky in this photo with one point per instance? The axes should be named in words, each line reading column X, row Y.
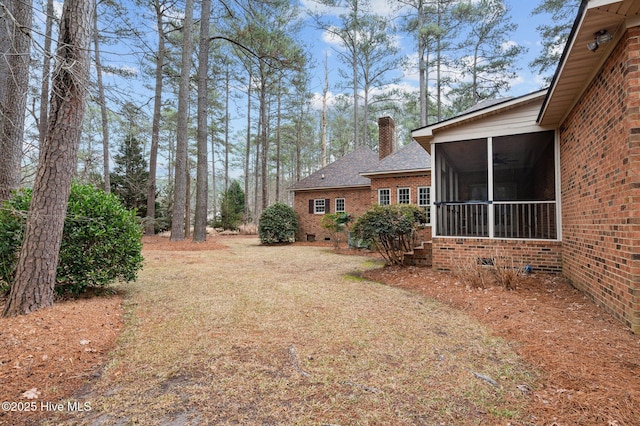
column 526, row 35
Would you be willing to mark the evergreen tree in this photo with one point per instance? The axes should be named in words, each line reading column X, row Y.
column 554, row 35
column 490, row 60
column 130, row 177
column 232, row 206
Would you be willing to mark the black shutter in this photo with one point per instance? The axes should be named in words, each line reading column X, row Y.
column 311, row 206
column 327, row 205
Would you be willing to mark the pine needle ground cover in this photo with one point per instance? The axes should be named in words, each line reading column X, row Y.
column 293, row 335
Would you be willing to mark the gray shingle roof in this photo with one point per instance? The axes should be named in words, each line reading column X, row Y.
column 411, row 157
column 344, row 172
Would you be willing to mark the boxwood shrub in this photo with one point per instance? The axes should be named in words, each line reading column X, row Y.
column 278, row 224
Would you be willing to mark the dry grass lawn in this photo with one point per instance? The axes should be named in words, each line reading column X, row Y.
column 294, row 335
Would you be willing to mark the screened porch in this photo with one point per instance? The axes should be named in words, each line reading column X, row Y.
column 500, row 187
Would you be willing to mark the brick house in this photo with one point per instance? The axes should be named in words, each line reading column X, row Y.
column 338, row 187
column 402, row 177
column 552, row 178
column 362, row 178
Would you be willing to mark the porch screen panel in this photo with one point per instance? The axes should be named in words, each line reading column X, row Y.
column 524, row 186
column 462, row 190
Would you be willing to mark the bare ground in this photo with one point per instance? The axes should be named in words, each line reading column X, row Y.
column 590, row 361
column 587, row 363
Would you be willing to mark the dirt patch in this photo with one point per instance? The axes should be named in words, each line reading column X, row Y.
column 49, row 354
column 590, row 361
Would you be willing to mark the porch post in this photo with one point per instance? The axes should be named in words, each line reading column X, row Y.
column 435, row 172
column 490, row 210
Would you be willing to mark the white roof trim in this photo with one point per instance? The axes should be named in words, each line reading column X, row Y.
column 395, row 172
column 491, row 110
column 329, row 188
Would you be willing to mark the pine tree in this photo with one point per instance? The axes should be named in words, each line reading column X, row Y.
column 232, row 206
column 130, row 178
column 555, row 34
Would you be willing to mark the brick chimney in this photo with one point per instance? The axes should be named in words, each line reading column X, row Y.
column 386, row 131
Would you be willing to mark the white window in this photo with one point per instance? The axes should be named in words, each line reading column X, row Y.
column 404, row 195
column 424, row 201
column 384, row 197
column 319, row 206
column 340, row 207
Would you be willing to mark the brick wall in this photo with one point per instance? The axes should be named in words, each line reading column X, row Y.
column 543, row 256
column 357, row 201
column 600, row 166
column 393, row 183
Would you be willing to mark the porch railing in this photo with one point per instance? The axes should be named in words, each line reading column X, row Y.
column 535, row 220
column 527, row 220
column 460, row 219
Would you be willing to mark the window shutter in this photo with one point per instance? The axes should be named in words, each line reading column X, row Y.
column 311, row 206
column 327, row 205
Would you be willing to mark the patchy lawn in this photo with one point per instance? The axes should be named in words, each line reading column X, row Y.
column 237, row 333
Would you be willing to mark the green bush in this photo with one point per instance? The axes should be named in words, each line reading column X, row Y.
column 389, row 229
column 12, row 220
column 278, row 224
column 101, row 241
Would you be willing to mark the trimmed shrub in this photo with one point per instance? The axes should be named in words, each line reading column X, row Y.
column 101, row 241
column 278, row 224
column 389, row 229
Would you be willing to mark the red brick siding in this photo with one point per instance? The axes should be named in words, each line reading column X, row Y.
column 393, row 183
column 543, row 256
column 600, row 166
column 357, row 201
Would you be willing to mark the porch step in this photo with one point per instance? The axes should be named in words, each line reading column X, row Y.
column 420, row 256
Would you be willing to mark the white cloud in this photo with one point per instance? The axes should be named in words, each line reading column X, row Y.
column 508, row 45
column 332, row 39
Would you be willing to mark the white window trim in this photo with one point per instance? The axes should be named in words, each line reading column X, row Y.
column 425, row 206
column 344, row 204
column 315, row 206
column 388, row 192
column 398, row 194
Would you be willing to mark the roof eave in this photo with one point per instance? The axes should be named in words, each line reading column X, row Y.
column 330, row 188
column 568, row 85
column 395, row 172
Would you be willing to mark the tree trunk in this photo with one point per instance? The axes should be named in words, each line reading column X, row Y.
column 46, row 77
column 355, row 76
column 33, row 287
column 264, row 137
column 279, row 121
column 248, row 149
column 323, row 125
column 15, row 46
column 214, row 188
column 226, row 128
column 155, row 127
column 103, row 105
column 179, row 190
column 202, row 180
column 187, row 205
column 422, row 68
